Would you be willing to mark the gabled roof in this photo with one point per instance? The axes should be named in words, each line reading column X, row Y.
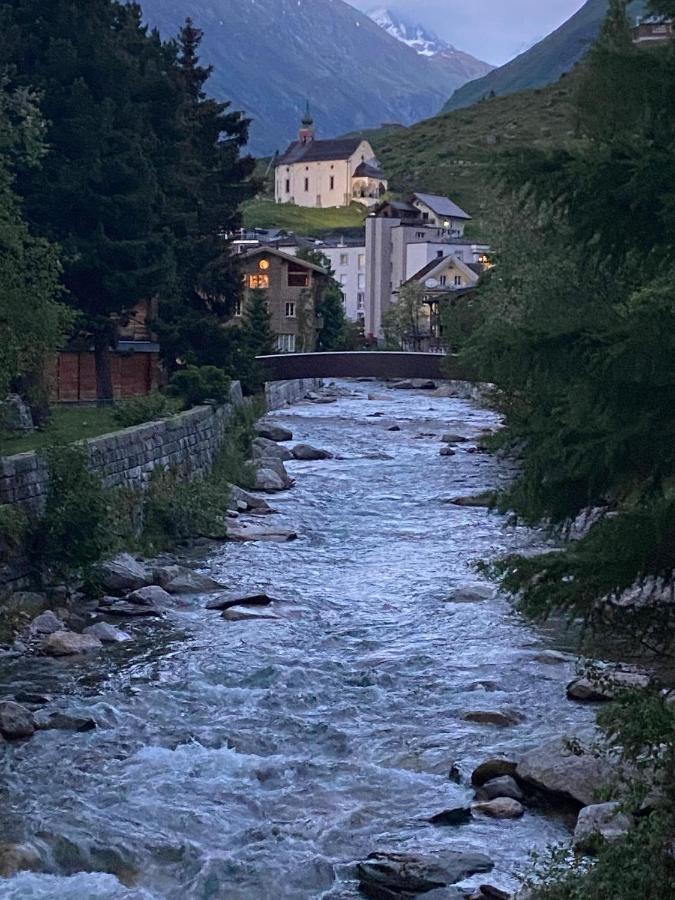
column 369, row 170
column 320, row 151
column 442, row 206
column 272, row 251
column 438, row 266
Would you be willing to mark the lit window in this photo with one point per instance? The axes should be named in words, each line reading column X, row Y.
column 257, row 282
column 264, row 265
column 446, row 224
column 290, row 310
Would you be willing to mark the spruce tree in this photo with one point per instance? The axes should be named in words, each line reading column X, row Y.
column 257, row 325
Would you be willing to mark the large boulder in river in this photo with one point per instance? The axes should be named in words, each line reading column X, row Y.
column 604, row 686
column 226, row 601
column 491, row 769
column 153, row 596
column 107, row 634
column 566, row 768
column 249, row 614
column 306, row 452
column 269, row 481
column 499, row 808
column 501, row 718
column 504, row 786
column 598, row 823
column 273, row 432
column 68, row 643
column 407, row 875
column 123, row 574
column 249, row 532
column 15, row 720
column 46, row 623
column 251, row 503
column 262, row 448
column 180, row 580
column 15, row 858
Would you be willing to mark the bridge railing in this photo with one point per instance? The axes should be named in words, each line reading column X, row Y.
column 362, row 364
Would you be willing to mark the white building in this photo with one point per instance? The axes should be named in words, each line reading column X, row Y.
column 400, row 242
column 328, row 173
column 348, row 261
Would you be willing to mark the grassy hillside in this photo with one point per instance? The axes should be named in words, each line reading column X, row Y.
column 544, row 63
column 456, row 154
column 300, row 219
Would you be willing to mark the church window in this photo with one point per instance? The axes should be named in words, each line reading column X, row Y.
column 332, row 182
column 306, row 184
column 288, row 185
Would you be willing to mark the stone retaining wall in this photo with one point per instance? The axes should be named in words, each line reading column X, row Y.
column 188, row 442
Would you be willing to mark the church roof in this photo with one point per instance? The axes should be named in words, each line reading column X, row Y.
column 319, row 151
column 369, row 170
column 442, row 206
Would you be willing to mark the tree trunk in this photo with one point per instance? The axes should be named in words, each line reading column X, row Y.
column 104, row 385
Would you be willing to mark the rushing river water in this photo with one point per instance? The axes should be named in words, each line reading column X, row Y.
column 259, row 760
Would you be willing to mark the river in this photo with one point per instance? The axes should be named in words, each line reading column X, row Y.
column 259, row 760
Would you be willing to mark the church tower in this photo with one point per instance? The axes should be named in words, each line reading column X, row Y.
column 307, row 130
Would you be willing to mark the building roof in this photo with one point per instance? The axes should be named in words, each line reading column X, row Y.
column 320, row 151
column 272, row 251
column 442, row 206
column 369, row 170
column 438, row 265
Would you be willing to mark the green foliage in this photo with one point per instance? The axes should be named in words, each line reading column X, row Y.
column 13, row 526
column 195, row 384
column 72, row 534
column 578, row 331
column 148, row 408
column 32, row 322
column 407, row 322
column 256, row 330
column 329, row 305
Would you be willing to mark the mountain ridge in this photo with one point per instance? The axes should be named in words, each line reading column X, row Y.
column 271, row 56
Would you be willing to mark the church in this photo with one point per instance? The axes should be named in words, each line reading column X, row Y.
column 328, row 173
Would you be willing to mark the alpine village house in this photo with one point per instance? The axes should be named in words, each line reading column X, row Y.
column 328, row 173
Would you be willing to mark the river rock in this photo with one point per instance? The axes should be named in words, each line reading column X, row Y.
column 124, row 574
column 306, row 452
column 490, row 892
column 569, row 770
column 46, row 623
column 491, row 769
column 57, row 721
column 226, row 601
column 394, row 428
column 262, row 448
column 473, row 593
column 606, row 685
column 68, row 643
column 447, row 451
column 180, row 580
column 153, row 595
column 250, row 501
column 271, row 476
column 453, row 439
column 455, row 815
column 500, row 718
column 33, row 698
column 247, row 614
column 477, row 500
column 504, row 786
column 600, row 822
column 499, row 808
column 15, row 720
column 405, row 875
column 107, row 634
column 15, row 858
column 249, row 532
column 405, row 385
column 129, row 610
column 273, row 432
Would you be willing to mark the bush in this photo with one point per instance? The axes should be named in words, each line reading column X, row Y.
column 196, row 384
column 138, row 410
column 13, row 526
column 73, row 533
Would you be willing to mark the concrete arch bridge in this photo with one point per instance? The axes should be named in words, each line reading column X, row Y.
column 362, row 364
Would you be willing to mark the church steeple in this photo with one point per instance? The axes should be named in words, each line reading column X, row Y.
column 307, row 130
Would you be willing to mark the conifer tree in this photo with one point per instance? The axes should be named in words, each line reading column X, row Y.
column 257, row 325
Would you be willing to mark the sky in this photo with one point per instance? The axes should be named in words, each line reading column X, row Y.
column 493, row 30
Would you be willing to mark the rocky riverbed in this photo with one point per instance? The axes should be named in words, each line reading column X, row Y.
column 332, row 704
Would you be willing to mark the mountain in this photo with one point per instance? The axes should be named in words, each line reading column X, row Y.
column 424, row 42
column 545, row 62
column 271, row 56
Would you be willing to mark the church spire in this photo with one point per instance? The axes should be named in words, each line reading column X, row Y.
column 307, row 130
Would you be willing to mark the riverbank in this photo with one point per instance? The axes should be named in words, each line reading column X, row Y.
column 231, row 756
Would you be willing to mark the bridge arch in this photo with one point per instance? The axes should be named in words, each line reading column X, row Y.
column 362, row 364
